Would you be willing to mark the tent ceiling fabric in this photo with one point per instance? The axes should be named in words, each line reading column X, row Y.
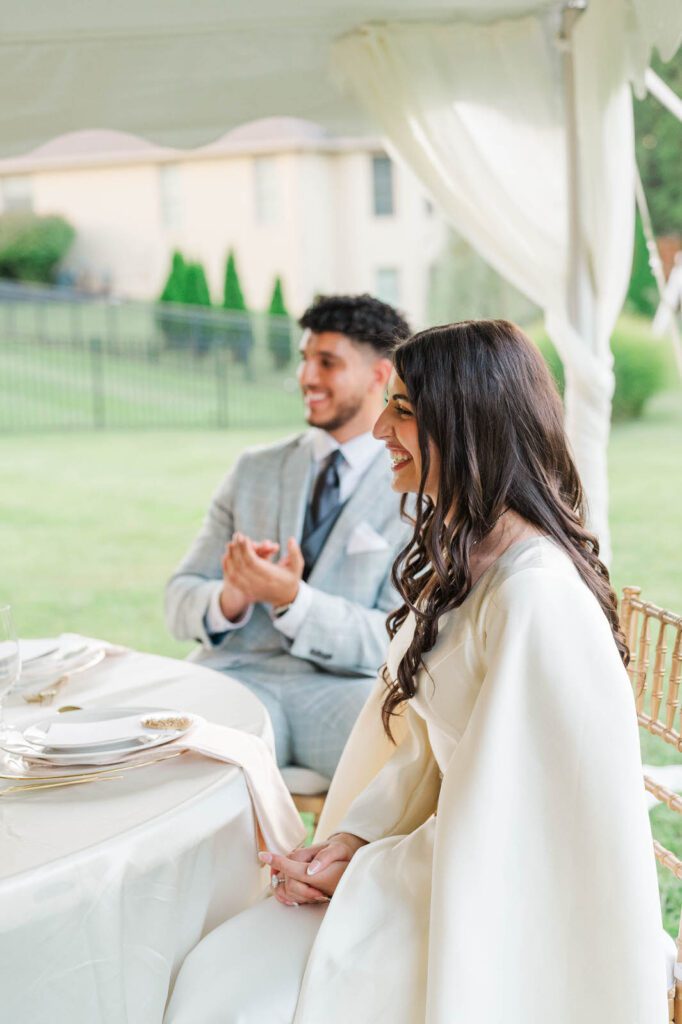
column 183, row 74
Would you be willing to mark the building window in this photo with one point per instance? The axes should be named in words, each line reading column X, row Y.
column 170, row 192
column 382, row 186
column 17, row 193
column 266, row 190
column 388, row 285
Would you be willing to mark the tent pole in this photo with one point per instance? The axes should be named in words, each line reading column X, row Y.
column 587, row 422
column 580, row 297
column 656, row 267
column 663, row 93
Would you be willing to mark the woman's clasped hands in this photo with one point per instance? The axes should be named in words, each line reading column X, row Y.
column 311, row 874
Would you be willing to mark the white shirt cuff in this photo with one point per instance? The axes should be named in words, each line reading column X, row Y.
column 216, row 622
column 292, row 620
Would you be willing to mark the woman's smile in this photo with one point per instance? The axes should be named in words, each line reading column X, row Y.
column 399, row 457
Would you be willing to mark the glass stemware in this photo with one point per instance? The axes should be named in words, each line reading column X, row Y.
column 10, row 659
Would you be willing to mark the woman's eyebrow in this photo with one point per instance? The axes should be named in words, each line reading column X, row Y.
column 402, row 398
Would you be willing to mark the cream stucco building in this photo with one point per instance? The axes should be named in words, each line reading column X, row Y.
column 326, row 214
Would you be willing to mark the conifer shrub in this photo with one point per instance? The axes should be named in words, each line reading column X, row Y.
column 171, row 323
column 201, row 331
column 238, row 334
column 279, row 328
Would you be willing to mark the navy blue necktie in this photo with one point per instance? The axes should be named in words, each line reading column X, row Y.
column 323, row 510
column 327, row 490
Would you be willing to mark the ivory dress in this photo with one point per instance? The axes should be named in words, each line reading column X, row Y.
column 509, row 876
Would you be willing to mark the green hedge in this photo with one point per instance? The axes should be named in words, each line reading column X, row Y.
column 640, row 365
column 31, row 246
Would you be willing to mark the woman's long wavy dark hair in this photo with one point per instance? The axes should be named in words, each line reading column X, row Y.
column 482, row 393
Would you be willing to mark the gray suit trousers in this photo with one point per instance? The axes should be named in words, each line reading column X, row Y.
column 312, row 712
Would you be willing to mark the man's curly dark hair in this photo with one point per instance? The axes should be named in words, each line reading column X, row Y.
column 360, row 317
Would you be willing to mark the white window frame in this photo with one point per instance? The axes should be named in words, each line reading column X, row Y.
column 383, row 186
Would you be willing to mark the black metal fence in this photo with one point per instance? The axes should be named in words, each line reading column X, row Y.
column 69, row 361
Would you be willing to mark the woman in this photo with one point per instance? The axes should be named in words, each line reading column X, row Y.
column 485, row 842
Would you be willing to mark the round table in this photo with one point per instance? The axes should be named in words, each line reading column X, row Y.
column 106, row 886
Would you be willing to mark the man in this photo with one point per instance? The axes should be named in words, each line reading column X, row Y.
column 287, row 586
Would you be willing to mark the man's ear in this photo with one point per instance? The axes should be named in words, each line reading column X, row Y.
column 382, row 371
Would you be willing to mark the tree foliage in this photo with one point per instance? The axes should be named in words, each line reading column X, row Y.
column 658, row 146
column 31, row 247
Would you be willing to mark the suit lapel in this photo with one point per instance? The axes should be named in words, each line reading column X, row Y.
column 294, row 477
column 360, row 504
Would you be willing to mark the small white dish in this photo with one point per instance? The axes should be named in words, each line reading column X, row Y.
column 96, row 735
column 66, row 660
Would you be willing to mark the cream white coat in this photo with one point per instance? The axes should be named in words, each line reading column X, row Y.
column 509, row 877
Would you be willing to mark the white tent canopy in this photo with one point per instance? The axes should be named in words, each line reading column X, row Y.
column 182, row 74
column 516, row 115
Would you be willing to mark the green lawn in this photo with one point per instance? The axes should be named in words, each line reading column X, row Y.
column 92, row 523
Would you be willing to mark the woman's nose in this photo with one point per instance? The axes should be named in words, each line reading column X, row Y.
column 380, row 429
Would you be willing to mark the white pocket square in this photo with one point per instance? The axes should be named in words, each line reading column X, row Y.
column 364, row 539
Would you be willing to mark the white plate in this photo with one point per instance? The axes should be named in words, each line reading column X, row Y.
column 85, row 758
column 50, row 669
column 31, row 650
column 127, row 736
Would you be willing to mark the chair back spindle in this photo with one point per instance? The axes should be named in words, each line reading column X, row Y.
column 657, row 699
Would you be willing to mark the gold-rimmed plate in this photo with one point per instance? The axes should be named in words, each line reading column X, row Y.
column 15, row 770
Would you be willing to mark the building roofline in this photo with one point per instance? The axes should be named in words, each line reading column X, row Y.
column 37, row 162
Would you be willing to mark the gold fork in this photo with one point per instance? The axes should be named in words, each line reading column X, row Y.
column 43, row 696
column 76, row 781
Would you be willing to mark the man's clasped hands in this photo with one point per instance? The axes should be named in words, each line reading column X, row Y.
column 311, row 874
column 250, row 575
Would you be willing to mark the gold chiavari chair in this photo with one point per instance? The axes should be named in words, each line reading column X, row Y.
column 652, row 633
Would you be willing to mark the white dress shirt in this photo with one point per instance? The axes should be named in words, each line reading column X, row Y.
column 357, row 454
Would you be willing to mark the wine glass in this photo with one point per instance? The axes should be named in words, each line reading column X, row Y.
column 10, row 659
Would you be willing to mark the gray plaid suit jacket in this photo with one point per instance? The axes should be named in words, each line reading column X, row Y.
column 265, row 497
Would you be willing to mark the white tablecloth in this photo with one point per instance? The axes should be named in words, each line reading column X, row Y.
column 105, row 887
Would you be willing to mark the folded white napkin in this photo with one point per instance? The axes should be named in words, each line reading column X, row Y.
column 65, row 732
column 276, row 814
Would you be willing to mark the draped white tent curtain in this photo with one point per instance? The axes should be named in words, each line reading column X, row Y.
column 479, row 113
